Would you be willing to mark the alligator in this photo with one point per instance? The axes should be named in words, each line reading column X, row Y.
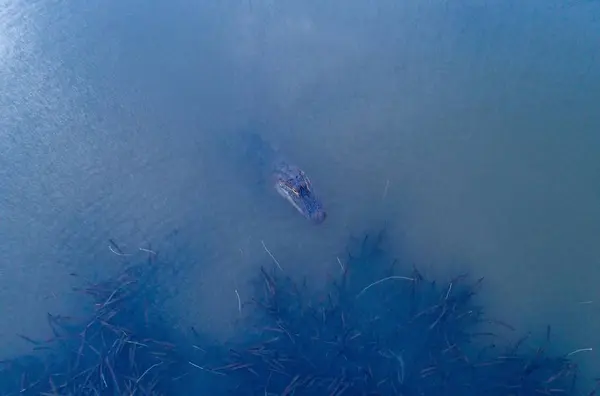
column 289, row 180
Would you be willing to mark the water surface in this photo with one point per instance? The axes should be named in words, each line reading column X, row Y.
column 471, row 128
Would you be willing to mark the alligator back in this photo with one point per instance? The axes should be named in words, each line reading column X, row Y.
column 259, row 151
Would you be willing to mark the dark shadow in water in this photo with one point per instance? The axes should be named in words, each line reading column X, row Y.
column 381, row 328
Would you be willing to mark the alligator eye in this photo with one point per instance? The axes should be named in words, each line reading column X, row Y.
column 303, row 191
column 289, row 188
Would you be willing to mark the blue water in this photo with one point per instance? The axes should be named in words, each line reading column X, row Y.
column 471, row 127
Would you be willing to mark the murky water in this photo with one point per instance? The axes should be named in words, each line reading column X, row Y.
column 471, row 128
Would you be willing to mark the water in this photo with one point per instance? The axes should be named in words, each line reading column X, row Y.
column 471, row 128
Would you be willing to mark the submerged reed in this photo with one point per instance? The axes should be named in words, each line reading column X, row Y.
column 378, row 332
column 121, row 349
column 379, row 328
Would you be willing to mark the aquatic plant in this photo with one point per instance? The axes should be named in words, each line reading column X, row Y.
column 377, row 331
column 120, row 349
column 379, row 328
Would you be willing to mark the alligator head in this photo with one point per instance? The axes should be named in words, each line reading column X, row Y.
column 293, row 184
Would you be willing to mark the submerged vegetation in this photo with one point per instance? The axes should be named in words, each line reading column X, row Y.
column 120, row 349
column 380, row 328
